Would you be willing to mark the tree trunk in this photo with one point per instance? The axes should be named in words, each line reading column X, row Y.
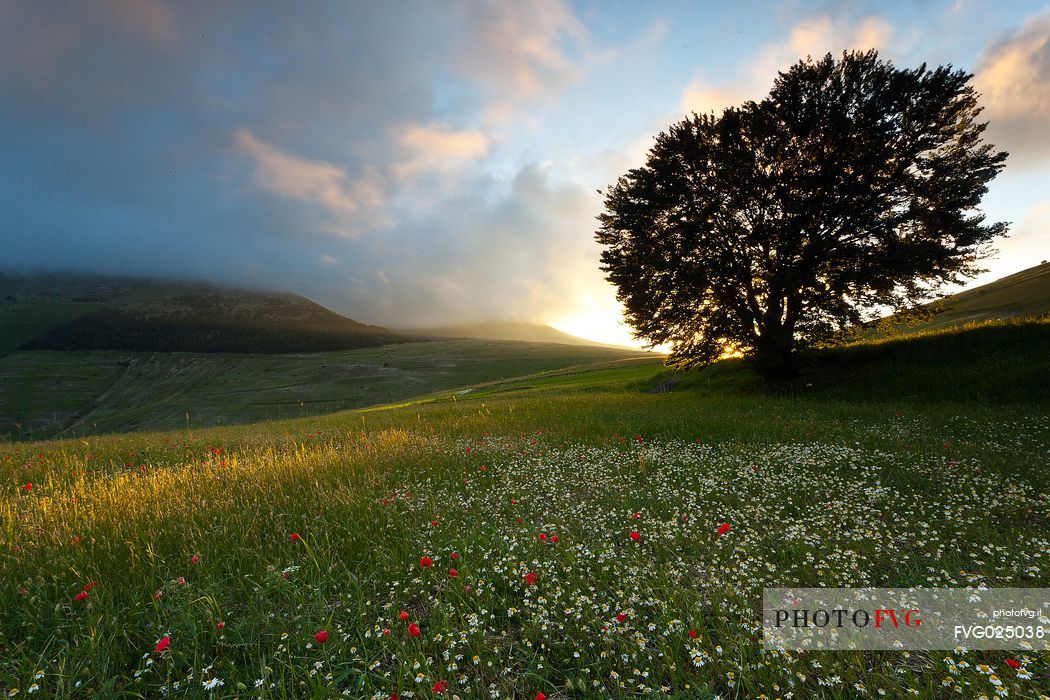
column 773, row 354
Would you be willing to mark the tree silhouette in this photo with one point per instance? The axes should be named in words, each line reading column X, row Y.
column 850, row 190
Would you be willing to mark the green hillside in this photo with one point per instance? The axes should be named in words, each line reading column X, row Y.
column 503, row 330
column 69, row 312
column 46, row 393
column 1020, row 295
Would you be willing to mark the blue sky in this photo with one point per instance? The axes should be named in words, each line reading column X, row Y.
column 413, row 163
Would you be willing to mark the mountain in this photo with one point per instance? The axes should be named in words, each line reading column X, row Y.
column 505, row 330
column 62, row 311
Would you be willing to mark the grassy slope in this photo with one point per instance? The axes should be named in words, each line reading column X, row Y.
column 48, row 393
column 961, row 491
column 994, row 363
column 504, row 330
column 1022, row 294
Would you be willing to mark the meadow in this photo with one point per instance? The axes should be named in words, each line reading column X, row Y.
column 70, row 394
column 566, row 535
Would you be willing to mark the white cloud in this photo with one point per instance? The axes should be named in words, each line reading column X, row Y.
column 1013, row 77
column 817, row 36
column 814, row 36
column 437, row 148
column 1027, row 244
column 702, row 97
column 313, row 181
column 520, row 51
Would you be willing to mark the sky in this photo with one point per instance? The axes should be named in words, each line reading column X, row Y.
column 413, row 164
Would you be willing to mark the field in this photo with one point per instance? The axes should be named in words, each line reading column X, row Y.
column 554, row 535
column 67, row 394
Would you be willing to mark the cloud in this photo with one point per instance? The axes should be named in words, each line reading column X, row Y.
column 701, row 97
column 814, row 36
column 817, row 36
column 489, row 249
column 437, row 148
column 311, row 181
column 520, row 51
column 1028, row 242
column 1013, row 77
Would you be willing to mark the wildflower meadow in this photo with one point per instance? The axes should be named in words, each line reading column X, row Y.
column 600, row 544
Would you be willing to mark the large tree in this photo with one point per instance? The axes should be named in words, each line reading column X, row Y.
column 850, row 190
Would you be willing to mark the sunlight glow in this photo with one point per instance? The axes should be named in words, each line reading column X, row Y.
column 600, row 320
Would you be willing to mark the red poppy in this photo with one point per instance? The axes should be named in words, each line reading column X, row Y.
column 158, row 595
column 163, row 644
column 540, row 695
column 454, row 555
column 543, row 537
column 530, row 578
column 692, row 634
column 295, row 537
column 321, row 636
column 81, row 596
column 453, row 573
column 395, row 696
column 413, row 630
column 221, row 625
column 426, row 562
column 403, row 615
column 554, row 539
column 28, row 487
column 433, row 523
column 182, row 580
column 724, row 528
column 635, row 536
column 1013, row 663
column 637, row 516
column 90, row 584
column 622, row 617
column 386, row 631
column 440, row 687
column 195, row 559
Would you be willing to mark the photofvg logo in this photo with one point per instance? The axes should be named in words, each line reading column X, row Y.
column 841, row 617
column 912, row 618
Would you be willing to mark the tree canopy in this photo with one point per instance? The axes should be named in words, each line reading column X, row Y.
column 850, row 190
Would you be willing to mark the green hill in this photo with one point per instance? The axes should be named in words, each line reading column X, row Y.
column 47, row 393
column 69, row 312
column 1020, row 295
column 504, row 330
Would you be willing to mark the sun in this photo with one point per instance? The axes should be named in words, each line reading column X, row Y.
column 599, row 321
